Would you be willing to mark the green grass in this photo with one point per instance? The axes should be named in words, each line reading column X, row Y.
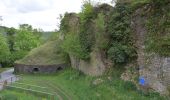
column 11, row 95
column 46, row 35
column 3, row 69
column 47, row 54
column 70, row 84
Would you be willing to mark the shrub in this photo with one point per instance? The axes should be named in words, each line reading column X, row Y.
column 119, row 53
column 71, row 45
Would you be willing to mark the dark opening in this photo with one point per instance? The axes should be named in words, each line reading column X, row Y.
column 59, row 68
column 36, row 70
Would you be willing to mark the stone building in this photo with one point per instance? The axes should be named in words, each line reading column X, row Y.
column 22, row 68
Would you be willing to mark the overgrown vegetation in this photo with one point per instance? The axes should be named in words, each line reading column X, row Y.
column 79, row 42
column 121, row 49
column 101, row 37
column 72, row 45
column 4, row 50
column 158, row 25
column 96, row 29
column 16, row 43
column 87, row 33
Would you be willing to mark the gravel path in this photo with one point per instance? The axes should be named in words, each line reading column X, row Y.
column 7, row 76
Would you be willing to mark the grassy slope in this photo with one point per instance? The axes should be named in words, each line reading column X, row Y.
column 47, row 54
column 76, row 86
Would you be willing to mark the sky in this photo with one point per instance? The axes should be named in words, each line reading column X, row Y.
column 42, row 14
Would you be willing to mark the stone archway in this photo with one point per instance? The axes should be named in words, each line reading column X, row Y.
column 59, row 68
column 36, row 69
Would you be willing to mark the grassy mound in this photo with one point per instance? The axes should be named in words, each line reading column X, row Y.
column 47, row 54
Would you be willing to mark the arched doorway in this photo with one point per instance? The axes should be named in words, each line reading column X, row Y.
column 35, row 70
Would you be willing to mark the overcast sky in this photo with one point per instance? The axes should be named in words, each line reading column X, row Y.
column 38, row 13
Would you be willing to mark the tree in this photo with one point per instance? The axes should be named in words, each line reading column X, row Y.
column 11, row 38
column 25, row 38
column 4, row 50
column 26, row 27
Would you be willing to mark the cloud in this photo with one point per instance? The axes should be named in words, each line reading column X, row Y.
column 27, row 6
column 38, row 13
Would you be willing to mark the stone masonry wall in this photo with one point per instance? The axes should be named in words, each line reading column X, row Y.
column 154, row 68
column 21, row 68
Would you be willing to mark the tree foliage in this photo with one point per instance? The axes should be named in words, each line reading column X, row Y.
column 4, row 50
column 25, row 39
column 79, row 41
column 122, row 49
column 72, row 45
column 101, row 37
column 87, row 33
column 16, row 43
column 11, row 38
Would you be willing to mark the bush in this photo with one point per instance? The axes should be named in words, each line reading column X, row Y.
column 71, row 45
column 119, row 53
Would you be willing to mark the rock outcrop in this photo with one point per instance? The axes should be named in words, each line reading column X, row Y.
column 94, row 67
column 96, row 64
column 153, row 67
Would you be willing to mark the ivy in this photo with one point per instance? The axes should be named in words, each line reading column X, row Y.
column 87, row 33
column 158, row 24
column 71, row 45
column 122, row 49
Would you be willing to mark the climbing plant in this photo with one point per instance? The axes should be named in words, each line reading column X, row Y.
column 101, row 37
column 121, row 49
column 158, row 25
column 87, row 34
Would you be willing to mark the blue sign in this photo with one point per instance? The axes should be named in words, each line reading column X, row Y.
column 142, row 81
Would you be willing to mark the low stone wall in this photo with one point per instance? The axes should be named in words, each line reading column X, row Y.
column 22, row 68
